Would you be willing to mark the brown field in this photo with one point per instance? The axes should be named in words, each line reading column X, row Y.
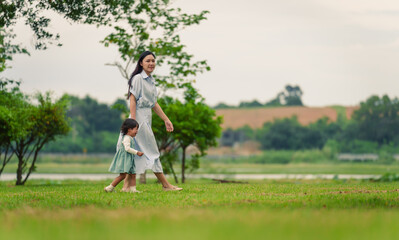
column 235, row 118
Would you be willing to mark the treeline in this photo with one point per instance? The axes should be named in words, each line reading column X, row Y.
column 291, row 96
column 94, row 126
column 374, row 127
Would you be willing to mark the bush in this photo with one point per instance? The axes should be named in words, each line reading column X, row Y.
column 312, row 156
column 281, row 157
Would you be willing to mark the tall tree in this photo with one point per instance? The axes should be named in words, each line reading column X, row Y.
column 195, row 124
column 155, row 26
column 140, row 17
column 41, row 124
column 12, row 102
column 378, row 119
column 291, row 96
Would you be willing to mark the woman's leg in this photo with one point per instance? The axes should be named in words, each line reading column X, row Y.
column 132, row 178
column 161, row 177
column 126, row 184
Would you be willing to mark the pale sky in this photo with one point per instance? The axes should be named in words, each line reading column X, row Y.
column 338, row 52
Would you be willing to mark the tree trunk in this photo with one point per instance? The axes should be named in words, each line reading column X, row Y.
column 173, row 172
column 19, row 171
column 143, row 179
column 183, row 165
column 32, row 167
column 6, row 158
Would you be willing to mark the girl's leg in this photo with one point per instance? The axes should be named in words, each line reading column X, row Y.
column 130, row 184
column 118, row 179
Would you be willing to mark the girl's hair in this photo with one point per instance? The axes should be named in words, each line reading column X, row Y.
column 137, row 70
column 128, row 124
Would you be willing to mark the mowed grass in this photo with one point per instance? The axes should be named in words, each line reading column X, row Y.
column 203, row 210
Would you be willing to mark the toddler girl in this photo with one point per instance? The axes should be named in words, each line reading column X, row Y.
column 123, row 161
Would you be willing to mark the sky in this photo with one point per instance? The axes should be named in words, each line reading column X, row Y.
column 336, row 51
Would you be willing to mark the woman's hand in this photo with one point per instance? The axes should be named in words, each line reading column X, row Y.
column 140, row 154
column 169, row 125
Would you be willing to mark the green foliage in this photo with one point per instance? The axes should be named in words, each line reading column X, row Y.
column 252, row 104
column 26, row 128
column 41, row 123
column 373, row 129
column 358, row 146
column 140, row 17
column 195, row 124
column 389, row 177
column 7, row 48
column 290, row 97
column 378, row 119
column 154, row 26
column 95, row 126
column 289, row 134
column 341, row 114
column 230, row 136
column 223, row 106
column 290, row 156
column 12, row 105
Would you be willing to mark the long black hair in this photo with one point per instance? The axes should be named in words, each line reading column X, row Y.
column 137, row 70
column 128, row 124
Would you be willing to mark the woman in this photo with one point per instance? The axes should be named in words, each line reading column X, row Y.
column 142, row 95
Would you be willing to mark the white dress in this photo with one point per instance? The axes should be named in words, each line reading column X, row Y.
column 144, row 90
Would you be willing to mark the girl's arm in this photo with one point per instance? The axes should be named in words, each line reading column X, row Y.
column 168, row 124
column 132, row 107
column 126, row 144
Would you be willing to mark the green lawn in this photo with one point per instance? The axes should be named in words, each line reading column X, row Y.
column 203, row 210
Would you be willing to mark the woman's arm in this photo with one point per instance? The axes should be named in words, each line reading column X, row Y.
column 168, row 124
column 132, row 107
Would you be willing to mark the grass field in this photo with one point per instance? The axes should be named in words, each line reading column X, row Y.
column 203, row 210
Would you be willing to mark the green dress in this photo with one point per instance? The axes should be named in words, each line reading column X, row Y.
column 123, row 162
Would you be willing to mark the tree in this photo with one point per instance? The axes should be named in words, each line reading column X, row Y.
column 32, row 13
column 287, row 133
column 290, row 97
column 40, row 124
column 252, row 104
column 222, row 106
column 167, row 145
column 12, row 101
column 377, row 119
column 155, row 27
column 95, row 126
column 141, row 16
column 242, row 134
column 194, row 122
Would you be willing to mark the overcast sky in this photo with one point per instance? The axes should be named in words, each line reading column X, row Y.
column 338, row 52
